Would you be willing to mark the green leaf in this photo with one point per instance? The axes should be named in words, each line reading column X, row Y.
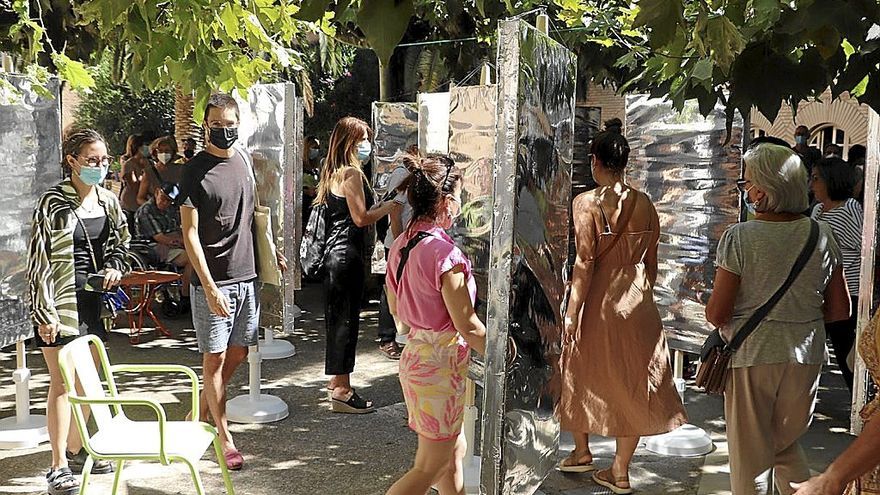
column 725, row 41
column 230, row 22
column 73, row 72
column 827, row 40
column 312, row 10
column 860, row 88
column 384, row 23
column 848, row 49
column 703, row 70
column 662, row 17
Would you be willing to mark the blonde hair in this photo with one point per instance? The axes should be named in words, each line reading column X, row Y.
column 342, row 152
column 780, row 173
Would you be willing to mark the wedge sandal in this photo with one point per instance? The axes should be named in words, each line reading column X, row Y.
column 354, row 405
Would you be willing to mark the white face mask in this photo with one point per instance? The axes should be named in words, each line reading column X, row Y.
column 164, row 157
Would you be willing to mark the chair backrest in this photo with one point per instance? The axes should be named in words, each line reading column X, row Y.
column 77, row 365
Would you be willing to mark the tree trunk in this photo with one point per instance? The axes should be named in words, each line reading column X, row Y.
column 184, row 125
column 384, row 82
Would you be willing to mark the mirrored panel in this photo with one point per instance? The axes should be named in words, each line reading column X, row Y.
column 268, row 131
column 689, row 168
column 30, row 163
column 528, row 259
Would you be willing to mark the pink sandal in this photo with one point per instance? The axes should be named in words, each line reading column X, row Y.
column 234, row 460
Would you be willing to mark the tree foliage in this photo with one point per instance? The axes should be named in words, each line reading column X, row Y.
column 739, row 52
column 116, row 111
column 200, row 46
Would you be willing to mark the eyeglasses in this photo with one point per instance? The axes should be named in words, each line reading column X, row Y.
column 95, row 161
column 743, row 184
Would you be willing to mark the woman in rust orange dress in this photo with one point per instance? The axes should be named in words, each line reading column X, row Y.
column 616, row 376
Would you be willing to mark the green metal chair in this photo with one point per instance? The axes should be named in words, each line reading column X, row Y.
column 118, row 438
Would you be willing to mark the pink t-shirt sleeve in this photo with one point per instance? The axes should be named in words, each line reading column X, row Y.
column 448, row 257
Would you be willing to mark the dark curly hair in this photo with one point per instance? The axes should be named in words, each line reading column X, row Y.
column 430, row 180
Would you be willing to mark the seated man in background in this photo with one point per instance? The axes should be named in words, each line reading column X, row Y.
column 159, row 220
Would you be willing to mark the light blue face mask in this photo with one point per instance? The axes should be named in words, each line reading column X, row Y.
column 800, row 139
column 145, row 151
column 314, row 153
column 364, row 150
column 92, row 176
column 749, row 205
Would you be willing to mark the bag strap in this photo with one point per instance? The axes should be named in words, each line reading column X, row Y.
column 622, row 224
column 157, row 174
column 404, row 253
column 250, row 166
column 765, row 309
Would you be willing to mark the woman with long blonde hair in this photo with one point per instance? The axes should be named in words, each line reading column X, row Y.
column 346, row 193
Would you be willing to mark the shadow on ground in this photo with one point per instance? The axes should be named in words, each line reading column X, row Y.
column 314, row 451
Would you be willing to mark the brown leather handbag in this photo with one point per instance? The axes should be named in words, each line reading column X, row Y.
column 715, row 355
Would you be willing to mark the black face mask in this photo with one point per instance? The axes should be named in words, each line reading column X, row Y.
column 189, row 153
column 223, row 137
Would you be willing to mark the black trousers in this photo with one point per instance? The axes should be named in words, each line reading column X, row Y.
column 343, row 288
column 387, row 328
column 843, row 335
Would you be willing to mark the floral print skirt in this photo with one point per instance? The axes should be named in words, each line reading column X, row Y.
column 433, row 369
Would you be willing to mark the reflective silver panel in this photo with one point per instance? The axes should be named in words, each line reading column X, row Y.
column 680, row 160
column 532, row 193
column 30, row 163
column 267, row 131
column 472, row 146
column 395, row 127
column 434, row 123
column 869, row 286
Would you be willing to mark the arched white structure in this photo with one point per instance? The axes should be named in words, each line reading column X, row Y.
column 844, row 113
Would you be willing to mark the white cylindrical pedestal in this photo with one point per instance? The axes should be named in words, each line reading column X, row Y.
column 271, row 348
column 255, row 407
column 468, row 427
column 22, row 431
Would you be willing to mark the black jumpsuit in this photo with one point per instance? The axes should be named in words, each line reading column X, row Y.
column 344, row 283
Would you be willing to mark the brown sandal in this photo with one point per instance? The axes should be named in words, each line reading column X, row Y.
column 607, row 479
column 572, row 464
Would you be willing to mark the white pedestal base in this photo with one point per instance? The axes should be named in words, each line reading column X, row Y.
column 27, row 434
column 261, row 409
column 255, row 407
column 472, row 475
column 685, row 441
column 22, row 431
column 272, row 348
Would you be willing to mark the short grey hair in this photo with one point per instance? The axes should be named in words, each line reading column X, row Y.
column 780, row 173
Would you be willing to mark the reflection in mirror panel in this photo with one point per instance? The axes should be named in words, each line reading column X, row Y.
column 689, row 168
column 532, row 194
column 472, row 147
column 30, row 163
column 268, row 131
column 395, row 128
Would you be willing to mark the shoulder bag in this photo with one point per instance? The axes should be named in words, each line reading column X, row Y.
column 715, row 355
column 314, row 243
column 266, row 253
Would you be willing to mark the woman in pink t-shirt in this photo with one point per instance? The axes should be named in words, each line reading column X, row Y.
column 431, row 288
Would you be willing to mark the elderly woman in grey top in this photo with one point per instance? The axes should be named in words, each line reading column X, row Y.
column 771, row 390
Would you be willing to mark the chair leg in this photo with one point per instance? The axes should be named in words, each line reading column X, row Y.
column 118, row 476
column 196, row 477
column 86, row 472
column 223, row 469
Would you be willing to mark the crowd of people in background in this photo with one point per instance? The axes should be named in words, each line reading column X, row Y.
column 195, row 211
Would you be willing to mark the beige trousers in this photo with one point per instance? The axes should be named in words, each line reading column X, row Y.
column 767, row 408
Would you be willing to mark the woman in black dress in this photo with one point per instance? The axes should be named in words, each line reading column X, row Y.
column 349, row 200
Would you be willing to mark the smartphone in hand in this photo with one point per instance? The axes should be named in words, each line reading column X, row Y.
column 95, row 283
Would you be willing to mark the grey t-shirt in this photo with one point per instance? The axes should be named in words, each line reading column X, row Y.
column 762, row 254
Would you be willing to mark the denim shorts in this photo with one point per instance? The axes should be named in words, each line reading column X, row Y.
column 216, row 333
